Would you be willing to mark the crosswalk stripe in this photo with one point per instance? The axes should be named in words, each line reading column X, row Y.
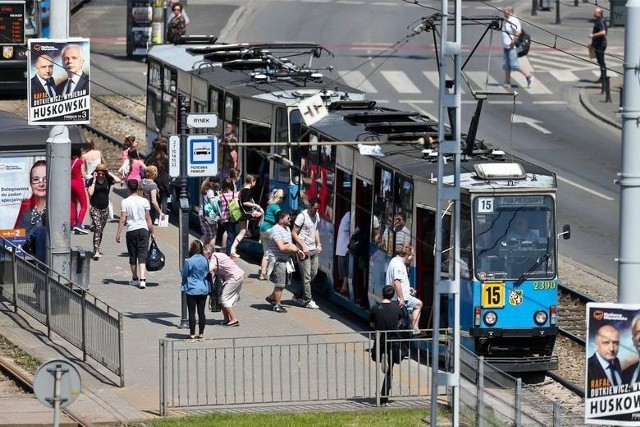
column 358, row 80
column 564, row 75
column 537, row 88
column 400, row 81
column 482, row 81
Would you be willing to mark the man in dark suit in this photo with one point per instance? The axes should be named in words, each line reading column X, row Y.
column 77, row 81
column 42, row 84
column 603, row 368
column 631, row 374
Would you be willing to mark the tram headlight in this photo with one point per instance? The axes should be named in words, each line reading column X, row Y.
column 540, row 317
column 490, row 318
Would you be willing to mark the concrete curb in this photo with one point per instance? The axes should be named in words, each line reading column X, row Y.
column 584, row 100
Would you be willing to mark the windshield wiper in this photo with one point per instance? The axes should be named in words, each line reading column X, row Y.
column 537, row 264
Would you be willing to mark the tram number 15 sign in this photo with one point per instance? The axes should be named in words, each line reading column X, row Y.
column 493, row 294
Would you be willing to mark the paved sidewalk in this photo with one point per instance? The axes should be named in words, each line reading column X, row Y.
column 150, row 314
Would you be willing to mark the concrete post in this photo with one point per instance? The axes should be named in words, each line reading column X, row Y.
column 59, row 200
column 58, row 159
column 629, row 177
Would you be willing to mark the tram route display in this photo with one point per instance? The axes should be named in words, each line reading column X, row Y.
column 12, row 22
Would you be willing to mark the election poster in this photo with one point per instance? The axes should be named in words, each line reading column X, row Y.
column 58, row 84
column 612, row 389
column 23, row 197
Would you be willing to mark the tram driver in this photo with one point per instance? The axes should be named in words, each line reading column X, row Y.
column 521, row 232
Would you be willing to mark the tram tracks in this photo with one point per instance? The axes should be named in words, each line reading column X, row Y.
column 571, row 342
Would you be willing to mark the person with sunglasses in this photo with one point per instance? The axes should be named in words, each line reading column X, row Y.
column 99, row 187
column 33, row 211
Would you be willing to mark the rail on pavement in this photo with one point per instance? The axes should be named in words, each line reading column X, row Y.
column 65, row 308
column 489, row 396
column 286, row 369
column 297, row 370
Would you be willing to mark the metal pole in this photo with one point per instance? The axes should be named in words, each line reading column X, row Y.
column 558, row 12
column 518, row 402
column 56, row 396
column 59, row 200
column 58, row 159
column 534, row 7
column 629, row 177
column 449, row 102
column 480, row 392
column 184, row 205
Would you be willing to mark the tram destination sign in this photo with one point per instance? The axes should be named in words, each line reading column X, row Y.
column 12, row 22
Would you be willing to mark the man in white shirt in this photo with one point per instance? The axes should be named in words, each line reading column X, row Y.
column 135, row 214
column 342, row 252
column 511, row 30
column 398, row 277
column 307, row 237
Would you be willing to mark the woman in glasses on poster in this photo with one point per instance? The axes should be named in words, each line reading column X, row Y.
column 33, row 211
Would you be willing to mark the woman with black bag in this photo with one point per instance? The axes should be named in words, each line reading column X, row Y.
column 196, row 287
column 99, row 186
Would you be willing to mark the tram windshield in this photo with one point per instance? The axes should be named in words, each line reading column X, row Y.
column 514, row 237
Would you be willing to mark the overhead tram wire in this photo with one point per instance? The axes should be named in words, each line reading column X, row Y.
column 558, row 37
column 534, row 41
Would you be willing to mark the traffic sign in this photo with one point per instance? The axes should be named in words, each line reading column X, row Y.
column 202, row 155
column 312, row 109
column 68, row 386
column 202, row 120
column 174, row 156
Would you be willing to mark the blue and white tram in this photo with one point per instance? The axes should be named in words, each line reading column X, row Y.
column 508, row 283
column 254, row 87
column 509, row 278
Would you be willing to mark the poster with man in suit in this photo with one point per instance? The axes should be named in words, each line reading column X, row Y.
column 58, row 87
column 612, row 389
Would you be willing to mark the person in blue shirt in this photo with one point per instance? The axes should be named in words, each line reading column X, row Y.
column 196, row 287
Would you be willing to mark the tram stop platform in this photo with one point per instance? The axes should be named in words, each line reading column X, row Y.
column 149, row 315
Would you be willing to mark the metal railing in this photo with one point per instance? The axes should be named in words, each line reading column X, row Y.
column 298, row 369
column 82, row 319
column 285, row 369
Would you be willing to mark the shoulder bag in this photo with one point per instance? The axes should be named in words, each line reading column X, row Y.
column 235, row 211
column 155, row 258
column 215, row 289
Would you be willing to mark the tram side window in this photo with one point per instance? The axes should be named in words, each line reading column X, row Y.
column 228, row 150
column 465, row 240
column 169, row 81
column 384, row 210
column 402, row 220
column 310, row 170
column 281, row 170
column 154, row 77
column 326, row 177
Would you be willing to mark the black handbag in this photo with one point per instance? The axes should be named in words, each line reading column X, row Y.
column 155, row 257
column 215, row 289
column 29, row 245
